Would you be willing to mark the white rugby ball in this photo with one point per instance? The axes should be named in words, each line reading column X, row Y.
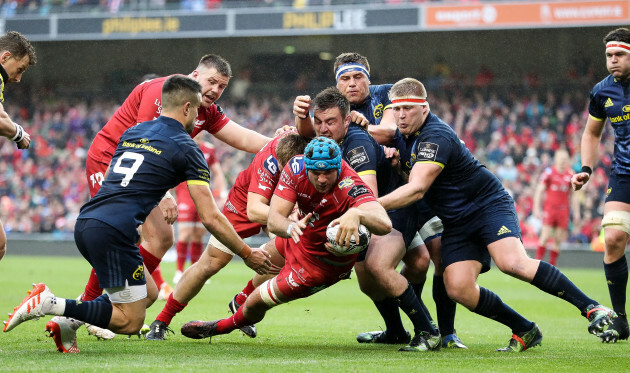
column 355, row 247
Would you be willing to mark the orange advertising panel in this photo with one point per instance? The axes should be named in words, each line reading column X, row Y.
column 534, row 14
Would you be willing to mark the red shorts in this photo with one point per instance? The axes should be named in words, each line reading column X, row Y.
column 303, row 275
column 240, row 222
column 98, row 158
column 187, row 212
column 556, row 218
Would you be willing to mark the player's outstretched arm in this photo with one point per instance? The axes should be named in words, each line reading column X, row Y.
column 13, row 131
column 217, row 224
column 279, row 222
column 303, row 120
column 241, row 138
column 421, row 177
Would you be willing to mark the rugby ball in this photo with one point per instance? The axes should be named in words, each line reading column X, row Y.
column 355, row 246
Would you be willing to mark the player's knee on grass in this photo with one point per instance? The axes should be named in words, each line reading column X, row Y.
column 129, row 308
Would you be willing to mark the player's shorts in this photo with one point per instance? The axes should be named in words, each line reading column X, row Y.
column 98, row 158
column 618, row 188
column 469, row 239
column 557, row 218
column 303, row 275
column 187, row 213
column 113, row 255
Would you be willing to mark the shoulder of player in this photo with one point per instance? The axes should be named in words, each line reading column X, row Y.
column 608, row 81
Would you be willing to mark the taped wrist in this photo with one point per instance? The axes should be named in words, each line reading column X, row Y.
column 19, row 133
column 245, row 252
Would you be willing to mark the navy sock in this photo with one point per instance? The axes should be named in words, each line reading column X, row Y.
column 96, row 312
column 550, row 280
column 388, row 308
column 409, row 303
column 617, row 279
column 492, row 307
column 445, row 307
column 417, row 288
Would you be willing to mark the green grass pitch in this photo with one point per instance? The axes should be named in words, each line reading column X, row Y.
column 316, row 334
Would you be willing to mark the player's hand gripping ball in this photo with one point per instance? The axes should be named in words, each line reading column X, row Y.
column 355, row 247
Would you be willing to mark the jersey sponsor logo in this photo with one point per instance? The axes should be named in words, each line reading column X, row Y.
column 357, row 157
column 281, row 187
column 608, row 103
column 626, row 109
column 358, row 190
column 144, row 141
column 271, row 164
column 378, row 111
column 426, row 151
column 219, row 109
column 199, row 123
column 138, row 274
column 503, row 230
column 230, row 207
column 346, row 182
column 260, row 186
column 291, row 282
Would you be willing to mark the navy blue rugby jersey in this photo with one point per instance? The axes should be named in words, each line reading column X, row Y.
column 374, row 105
column 150, row 159
column 366, row 157
column 610, row 99
column 464, row 185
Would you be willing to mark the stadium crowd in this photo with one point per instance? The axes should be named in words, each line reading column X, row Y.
column 513, row 130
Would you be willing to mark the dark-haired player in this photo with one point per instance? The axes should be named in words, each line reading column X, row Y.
column 151, row 158
column 609, row 100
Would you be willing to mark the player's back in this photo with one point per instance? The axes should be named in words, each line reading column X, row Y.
column 151, row 158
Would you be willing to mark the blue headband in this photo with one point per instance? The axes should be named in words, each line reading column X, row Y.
column 351, row 66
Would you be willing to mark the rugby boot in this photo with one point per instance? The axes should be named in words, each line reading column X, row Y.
column 384, row 337
column 523, row 341
column 599, row 316
column 617, row 331
column 158, row 331
column 199, row 329
column 63, row 330
column 423, row 341
column 30, row 308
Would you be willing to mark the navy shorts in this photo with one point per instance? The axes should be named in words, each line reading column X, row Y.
column 113, row 255
column 405, row 221
column 618, row 188
column 469, row 239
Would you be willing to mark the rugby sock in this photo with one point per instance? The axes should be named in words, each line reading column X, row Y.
column 388, row 308
column 182, row 251
column 492, row 307
column 195, row 251
column 171, row 308
column 417, row 288
column 233, row 322
column 92, row 289
column 409, row 303
column 550, row 280
column 97, row 312
column 242, row 296
column 150, row 261
column 553, row 257
column 617, row 279
column 444, row 307
column 157, row 277
column 540, row 252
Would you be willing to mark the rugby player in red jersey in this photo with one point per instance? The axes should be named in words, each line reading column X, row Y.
column 326, row 190
column 555, row 185
column 143, row 104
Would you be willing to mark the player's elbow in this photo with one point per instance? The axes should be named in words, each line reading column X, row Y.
column 381, row 226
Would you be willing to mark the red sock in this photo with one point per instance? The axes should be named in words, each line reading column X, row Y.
column 195, row 251
column 553, row 257
column 242, row 296
column 171, row 308
column 233, row 322
column 182, row 252
column 540, row 252
column 150, row 261
column 157, row 277
column 92, row 289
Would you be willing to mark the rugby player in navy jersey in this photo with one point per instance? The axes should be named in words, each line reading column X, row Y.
column 609, row 100
column 150, row 159
column 479, row 220
column 376, row 267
